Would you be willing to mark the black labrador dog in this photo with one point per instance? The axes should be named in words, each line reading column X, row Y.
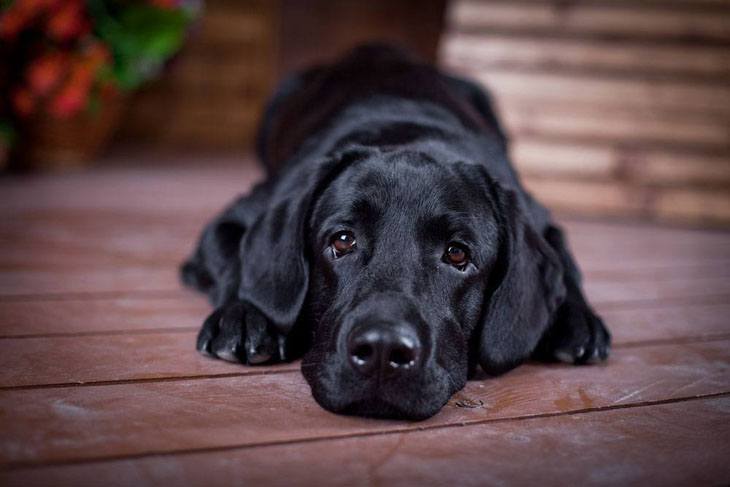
column 391, row 245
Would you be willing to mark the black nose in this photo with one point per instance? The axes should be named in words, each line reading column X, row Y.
column 385, row 348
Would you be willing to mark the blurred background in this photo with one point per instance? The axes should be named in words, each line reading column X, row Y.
column 615, row 108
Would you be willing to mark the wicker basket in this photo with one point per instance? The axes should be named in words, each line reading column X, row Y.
column 47, row 143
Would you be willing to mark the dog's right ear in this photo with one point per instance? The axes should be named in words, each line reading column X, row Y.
column 274, row 270
column 214, row 268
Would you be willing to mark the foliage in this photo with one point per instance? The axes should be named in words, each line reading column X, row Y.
column 62, row 56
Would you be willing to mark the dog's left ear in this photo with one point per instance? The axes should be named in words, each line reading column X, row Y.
column 526, row 287
column 273, row 253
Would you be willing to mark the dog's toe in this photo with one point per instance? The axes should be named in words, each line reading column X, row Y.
column 236, row 334
column 578, row 336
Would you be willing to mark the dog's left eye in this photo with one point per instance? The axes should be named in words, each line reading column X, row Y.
column 456, row 255
column 342, row 243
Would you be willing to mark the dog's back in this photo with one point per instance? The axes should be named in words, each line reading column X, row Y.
column 307, row 103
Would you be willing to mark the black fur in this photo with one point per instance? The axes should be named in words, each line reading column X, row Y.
column 409, row 160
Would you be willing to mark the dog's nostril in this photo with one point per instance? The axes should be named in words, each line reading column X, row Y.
column 362, row 353
column 403, row 356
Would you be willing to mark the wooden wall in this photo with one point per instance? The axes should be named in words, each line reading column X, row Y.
column 614, row 107
column 211, row 97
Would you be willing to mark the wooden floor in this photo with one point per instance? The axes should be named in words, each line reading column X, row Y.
column 100, row 384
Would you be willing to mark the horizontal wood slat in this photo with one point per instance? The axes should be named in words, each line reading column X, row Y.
column 76, row 360
column 193, row 189
column 649, row 167
column 580, row 197
column 568, row 124
column 630, row 20
column 490, row 51
column 105, row 315
column 149, row 418
column 599, row 93
column 595, row 448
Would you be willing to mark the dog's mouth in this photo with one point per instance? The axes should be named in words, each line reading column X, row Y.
column 415, row 398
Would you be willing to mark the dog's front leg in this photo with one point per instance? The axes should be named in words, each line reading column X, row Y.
column 238, row 333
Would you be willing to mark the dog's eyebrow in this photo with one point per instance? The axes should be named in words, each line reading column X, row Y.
column 446, row 226
column 366, row 210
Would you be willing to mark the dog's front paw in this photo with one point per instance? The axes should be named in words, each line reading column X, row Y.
column 237, row 333
column 578, row 336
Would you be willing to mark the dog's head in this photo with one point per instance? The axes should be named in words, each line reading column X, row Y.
column 406, row 273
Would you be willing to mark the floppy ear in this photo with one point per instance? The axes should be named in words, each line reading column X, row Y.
column 214, row 266
column 274, row 266
column 526, row 288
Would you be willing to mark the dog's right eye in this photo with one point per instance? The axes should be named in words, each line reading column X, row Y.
column 343, row 243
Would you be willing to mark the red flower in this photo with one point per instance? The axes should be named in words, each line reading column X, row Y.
column 45, row 72
column 67, row 21
column 19, row 14
column 74, row 94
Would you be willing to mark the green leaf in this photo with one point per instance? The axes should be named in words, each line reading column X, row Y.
column 141, row 38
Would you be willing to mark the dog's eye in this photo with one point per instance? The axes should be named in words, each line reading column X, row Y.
column 342, row 243
column 456, row 255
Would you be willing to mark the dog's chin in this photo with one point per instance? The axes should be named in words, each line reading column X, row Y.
column 344, row 397
column 376, row 408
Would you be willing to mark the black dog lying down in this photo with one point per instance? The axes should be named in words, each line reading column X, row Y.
column 392, row 245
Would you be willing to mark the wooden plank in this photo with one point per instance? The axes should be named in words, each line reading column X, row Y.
column 74, row 423
column 112, row 358
column 105, row 352
column 677, row 168
column 92, row 280
column 67, row 240
column 595, row 19
column 539, row 158
column 606, row 291
column 596, row 92
column 627, row 127
column 667, row 322
column 487, row 50
column 152, row 191
column 647, row 166
column 102, row 315
column 695, row 205
column 587, row 197
column 649, row 445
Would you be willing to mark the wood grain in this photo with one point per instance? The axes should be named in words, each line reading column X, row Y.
column 99, row 381
column 625, row 19
column 148, row 418
column 77, row 360
column 613, row 108
column 485, row 50
column 605, row 92
column 642, row 445
column 103, row 315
